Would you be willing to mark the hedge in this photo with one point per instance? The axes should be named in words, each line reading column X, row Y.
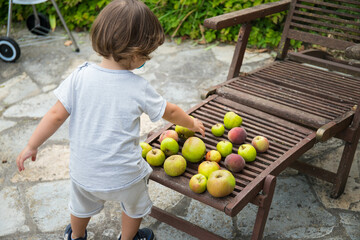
column 180, row 18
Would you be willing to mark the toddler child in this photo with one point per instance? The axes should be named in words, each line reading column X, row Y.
column 104, row 102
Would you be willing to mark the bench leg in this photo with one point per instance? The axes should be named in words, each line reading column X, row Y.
column 344, row 167
column 347, row 157
column 264, row 207
column 183, row 225
column 263, row 201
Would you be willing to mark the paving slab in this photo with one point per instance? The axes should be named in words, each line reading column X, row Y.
column 35, row 201
column 295, row 214
column 35, row 107
column 52, row 164
column 329, row 158
column 351, row 223
column 5, row 124
column 48, row 205
column 17, row 88
column 13, row 140
column 12, row 212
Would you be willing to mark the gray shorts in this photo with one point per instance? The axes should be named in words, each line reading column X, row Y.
column 134, row 201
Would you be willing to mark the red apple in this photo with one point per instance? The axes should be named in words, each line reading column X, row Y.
column 237, row 135
column 145, row 148
column 194, row 149
column 234, row 162
column 232, row 120
column 169, row 146
column 224, row 148
column 169, row 133
column 155, row 157
column 213, row 156
column 207, row 167
column 260, row 143
column 175, row 165
column 198, row 183
column 220, row 183
column 248, row 152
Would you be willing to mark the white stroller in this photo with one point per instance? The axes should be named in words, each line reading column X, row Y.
column 37, row 24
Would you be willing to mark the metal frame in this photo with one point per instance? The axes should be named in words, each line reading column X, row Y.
column 37, row 20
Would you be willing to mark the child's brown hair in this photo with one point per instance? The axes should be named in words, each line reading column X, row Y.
column 126, row 28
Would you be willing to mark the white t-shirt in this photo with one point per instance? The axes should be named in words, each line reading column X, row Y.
column 105, row 107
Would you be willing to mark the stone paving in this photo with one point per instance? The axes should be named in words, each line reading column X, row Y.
column 34, row 202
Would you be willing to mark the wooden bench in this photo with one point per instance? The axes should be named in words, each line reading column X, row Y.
column 290, row 101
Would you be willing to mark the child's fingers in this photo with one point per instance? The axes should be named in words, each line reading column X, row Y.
column 202, row 131
column 21, row 168
column 17, row 163
column 20, row 163
column 201, row 128
column 22, row 158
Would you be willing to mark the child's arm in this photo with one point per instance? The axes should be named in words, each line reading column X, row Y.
column 48, row 125
column 176, row 115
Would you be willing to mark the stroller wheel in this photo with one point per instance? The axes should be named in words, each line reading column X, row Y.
column 41, row 28
column 9, row 49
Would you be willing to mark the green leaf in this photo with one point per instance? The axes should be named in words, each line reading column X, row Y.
column 52, row 20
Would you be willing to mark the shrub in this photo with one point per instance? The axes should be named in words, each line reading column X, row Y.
column 180, row 18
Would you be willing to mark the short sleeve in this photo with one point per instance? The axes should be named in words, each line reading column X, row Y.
column 64, row 93
column 155, row 104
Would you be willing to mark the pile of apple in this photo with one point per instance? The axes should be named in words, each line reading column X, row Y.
column 219, row 182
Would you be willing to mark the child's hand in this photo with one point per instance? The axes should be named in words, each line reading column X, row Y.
column 25, row 154
column 198, row 127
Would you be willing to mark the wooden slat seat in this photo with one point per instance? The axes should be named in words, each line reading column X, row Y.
column 288, row 141
column 296, row 92
column 329, row 23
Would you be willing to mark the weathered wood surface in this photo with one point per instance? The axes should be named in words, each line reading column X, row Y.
column 288, row 141
column 246, row 15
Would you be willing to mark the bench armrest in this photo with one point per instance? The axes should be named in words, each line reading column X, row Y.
column 332, row 128
column 246, row 15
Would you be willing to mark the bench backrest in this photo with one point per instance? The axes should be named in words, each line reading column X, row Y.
column 333, row 24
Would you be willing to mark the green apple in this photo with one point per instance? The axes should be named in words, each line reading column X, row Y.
column 224, row 147
column 155, row 157
column 220, row 183
column 197, row 183
column 232, row 120
column 175, row 165
column 213, row 156
column 248, row 152
column 218, row 130
column 207, row 167
column 169, row 146
column 184, row 132
column 260, row 143
column 194, row 149
column 145, row 148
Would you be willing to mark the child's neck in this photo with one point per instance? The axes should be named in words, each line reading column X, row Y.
column 110, row 63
